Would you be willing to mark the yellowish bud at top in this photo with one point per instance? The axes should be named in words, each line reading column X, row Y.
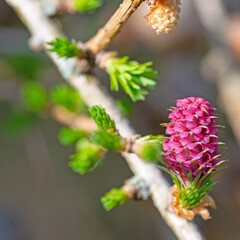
column 163, row 14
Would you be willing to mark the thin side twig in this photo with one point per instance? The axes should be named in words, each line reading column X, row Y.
column 107, row 33
column 73, row 120
column 31, row 13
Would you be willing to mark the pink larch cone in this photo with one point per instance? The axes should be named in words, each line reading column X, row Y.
column 193, row 140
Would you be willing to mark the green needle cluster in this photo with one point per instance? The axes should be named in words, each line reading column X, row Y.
column 64, row 48
column 101, row 118
column 193, row 195
column 106, row 136
column 132, row 76
column 87, row 158
column 88, row 154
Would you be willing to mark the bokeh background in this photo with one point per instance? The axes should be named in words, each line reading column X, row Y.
column 40, row 196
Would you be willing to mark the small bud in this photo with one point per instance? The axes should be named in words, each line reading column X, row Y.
column 114, row 198
column 149, row 147
column 134, row 188
column 163, row 14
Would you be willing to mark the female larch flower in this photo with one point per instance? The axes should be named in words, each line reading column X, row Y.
column 191, row 153
column 163, row 14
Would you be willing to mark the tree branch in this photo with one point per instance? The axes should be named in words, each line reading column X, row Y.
column 107, row 33
column 39, row 25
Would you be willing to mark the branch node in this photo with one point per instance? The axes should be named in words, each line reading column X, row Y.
column 137, row 188
column 35, row 43
column 102, row 58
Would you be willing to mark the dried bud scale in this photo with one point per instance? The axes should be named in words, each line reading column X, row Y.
column 189, row 214
column 163, row 14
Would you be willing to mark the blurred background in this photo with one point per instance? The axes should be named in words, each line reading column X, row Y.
column 41, row 197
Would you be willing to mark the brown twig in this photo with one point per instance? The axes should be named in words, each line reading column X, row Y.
column 87, row 124
column 73, row 120
column 107, row 33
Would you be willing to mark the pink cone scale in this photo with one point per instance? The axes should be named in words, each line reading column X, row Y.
column 193, row 142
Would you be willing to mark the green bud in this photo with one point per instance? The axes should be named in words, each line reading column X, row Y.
column 151, row 149
column 151, row 152
column 114, row 198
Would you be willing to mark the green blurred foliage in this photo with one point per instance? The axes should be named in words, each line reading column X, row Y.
column 24, row 66
column 69, row 136
column 18, row 121
column 125, row 106
column 86, row 5
column 67, row 97
column 34, row 96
